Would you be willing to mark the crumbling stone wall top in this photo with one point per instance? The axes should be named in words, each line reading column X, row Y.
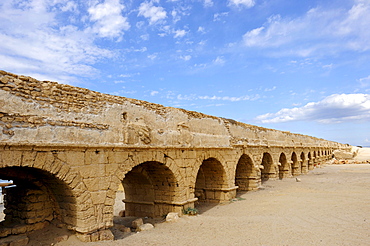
column 49, row 113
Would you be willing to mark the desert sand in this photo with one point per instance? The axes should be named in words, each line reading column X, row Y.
column 363, row 154
column 328, row 206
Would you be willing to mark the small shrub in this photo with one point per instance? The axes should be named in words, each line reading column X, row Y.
column 237, row 199
column 190, row 211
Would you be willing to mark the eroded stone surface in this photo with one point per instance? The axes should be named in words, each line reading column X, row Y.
column 172, row 217
column 145, row 227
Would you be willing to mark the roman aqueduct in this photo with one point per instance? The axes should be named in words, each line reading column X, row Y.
column 68, row 150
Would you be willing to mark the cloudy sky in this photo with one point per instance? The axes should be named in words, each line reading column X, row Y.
column 299, row 66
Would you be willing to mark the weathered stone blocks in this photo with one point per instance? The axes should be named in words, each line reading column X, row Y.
column 84, row 144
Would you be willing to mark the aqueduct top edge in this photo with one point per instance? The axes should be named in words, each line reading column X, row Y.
column 34, row 112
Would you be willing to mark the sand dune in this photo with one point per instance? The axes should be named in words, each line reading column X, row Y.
column 363, row 154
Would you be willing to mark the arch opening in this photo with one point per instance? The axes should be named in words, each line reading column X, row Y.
column 245, row 174
column 309, row 161
column 3, row 185
column 303, row 164
column 315, row 159
column 283, row 167
column 150, row 190
column 35, row 199
column 295, row 165
column 210, row 182
column 267, row 172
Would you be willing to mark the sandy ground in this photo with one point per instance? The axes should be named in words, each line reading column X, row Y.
column 363, row 154
column 330, row 206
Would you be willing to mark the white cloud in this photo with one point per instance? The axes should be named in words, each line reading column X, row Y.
column 319, row 31
column 328, row 66
column 123, row 92
column 219, row 61
column 108, row 19
column 193, row 97
column 201, row 29
column 255, row 37
column 219, row 16
column 153, row 13
column 153, row 93
column 203, row 42
column 364, row 82
column 132, row 49
column 213, row 64
column 245, row 3
column 228, row 98
column 33, row 43
column 70, row 6
column 335, row 108
column 270, row 89
column 140, row 24
column 125, row 75
column 175, row 16
column 128, row 75
column 152, row 56
column 145, row 37
column 179, row 33
column 165, row 31
column 207, row 3
column 179, row 11
column 185, row 58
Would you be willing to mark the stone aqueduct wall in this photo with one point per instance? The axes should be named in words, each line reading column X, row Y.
column 68, row 149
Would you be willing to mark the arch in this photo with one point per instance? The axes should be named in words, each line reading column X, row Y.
column 303, row 163
column 267, row 172
column 318, row 159
column 37, row 199
column 76, row 199
column 150, row 190
column 283, row 167
column 309, row 161
column 211, row 181
column 295, row 165
column 245, row 174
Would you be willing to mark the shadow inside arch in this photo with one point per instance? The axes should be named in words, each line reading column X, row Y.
column 37, row 200
column 148, row 191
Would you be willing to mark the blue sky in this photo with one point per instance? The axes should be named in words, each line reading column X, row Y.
column 299, row 66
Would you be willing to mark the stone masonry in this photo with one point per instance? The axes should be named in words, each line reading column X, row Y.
column 68, row 150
